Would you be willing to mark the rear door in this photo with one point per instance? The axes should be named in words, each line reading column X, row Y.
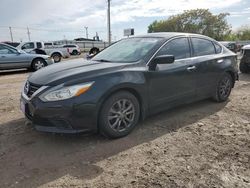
column 172, row 84
column 207, row 57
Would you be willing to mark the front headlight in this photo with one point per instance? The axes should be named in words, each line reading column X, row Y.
column 66, row 92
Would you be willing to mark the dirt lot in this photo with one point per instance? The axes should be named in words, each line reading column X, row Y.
column 200, row 145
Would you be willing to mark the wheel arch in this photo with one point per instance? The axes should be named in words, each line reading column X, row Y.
column 233, row 75
column 53, row 53
column 131, row 90
column 37, row 58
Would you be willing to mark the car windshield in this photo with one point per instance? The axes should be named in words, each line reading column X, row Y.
column 127, row 50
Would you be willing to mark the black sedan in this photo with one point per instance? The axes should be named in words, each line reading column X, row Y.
column 128, row 81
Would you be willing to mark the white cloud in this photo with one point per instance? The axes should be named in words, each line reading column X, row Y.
column 73, row 15
column 145, row 8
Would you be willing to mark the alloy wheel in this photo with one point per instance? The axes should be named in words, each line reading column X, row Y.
column 38, row 64
column 225, row 87
column 121, row 115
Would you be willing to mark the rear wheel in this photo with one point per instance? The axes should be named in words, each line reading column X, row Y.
column 56, row 57
column 74, row 52
column 223, row 88
column 119, row 115
column 244, row 68
column 38, row 64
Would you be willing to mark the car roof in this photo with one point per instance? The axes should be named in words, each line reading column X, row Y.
column 169, row 35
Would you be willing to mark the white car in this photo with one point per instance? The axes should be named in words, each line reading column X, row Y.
column 73, row 49
column 57, row 53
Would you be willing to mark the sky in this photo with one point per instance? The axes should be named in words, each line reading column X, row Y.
column 50, row 20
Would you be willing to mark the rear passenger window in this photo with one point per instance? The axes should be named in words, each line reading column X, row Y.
column 202, row 47
column 177, row 47
column 39, row 45
column 218, row 48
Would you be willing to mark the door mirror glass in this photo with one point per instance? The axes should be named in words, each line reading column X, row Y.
column 161, row 59
column 164, row 59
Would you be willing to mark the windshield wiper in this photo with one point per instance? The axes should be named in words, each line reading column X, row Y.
column 102, row 60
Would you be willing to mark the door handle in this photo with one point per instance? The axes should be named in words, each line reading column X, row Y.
column 3, row 56
column 191, row 68
column 220, row 60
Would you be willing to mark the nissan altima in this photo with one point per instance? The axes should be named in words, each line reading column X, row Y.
column 128, row 81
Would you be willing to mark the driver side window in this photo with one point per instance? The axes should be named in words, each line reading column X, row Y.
column 178, row 47
column 29, row 45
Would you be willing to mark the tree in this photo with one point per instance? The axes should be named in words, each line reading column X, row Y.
column 243, row 33
column 200, row 21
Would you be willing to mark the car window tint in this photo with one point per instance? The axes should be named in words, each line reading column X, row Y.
column 202, row 47
column 218, row 48
column 247, row 53
column 177, row 47
column 39, row 45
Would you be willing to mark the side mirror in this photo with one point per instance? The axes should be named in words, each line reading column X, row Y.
column 162, row 59
column 19, row 51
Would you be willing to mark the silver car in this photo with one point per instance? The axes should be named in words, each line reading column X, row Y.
column 12, row 58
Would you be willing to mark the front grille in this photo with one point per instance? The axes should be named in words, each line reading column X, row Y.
column 32, row 89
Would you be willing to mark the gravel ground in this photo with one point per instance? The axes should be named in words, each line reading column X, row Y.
column 204, row 144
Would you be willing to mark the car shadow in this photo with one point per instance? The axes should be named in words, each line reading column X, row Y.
column 29, row 158
column 244, row 77
column 14, row 71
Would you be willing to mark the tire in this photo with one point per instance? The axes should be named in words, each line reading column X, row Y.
column 94, row 51
column 113, row 121
column 223, row 88
column 57, row 57
column 244, row 68
column 38, row 64
column 74, row 52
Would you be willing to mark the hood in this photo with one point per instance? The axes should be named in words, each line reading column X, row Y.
column 69, row 70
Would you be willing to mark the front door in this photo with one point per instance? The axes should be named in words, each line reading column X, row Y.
column 173, row 84
column 10, row 58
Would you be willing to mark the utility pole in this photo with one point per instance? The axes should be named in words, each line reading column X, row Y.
column 109, row 25
column 28, row 32
column 87, row 35
column 11, row 35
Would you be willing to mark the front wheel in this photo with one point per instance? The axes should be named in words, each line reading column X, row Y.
column 75, row 52
column 119, row 115
column 38, row 64
column 223, row 88
column 56, row 57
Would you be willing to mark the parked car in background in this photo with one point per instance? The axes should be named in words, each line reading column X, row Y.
column 128, row 81
column 245, row 60
column 231, row 46
column 73, row 49
column 57, row 53
column 14, row 44
column 12, row 58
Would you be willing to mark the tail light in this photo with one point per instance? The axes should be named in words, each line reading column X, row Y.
column 68, row 50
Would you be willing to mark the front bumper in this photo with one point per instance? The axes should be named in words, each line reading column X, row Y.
column 59, row 117
column 49, row 61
